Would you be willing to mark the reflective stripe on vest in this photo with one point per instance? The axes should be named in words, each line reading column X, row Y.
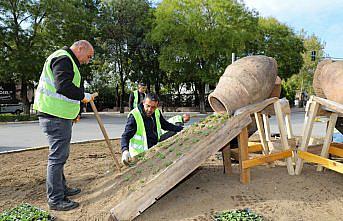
column 174, row 120
column 47, row 100
column 139, row 143
column 135, row 101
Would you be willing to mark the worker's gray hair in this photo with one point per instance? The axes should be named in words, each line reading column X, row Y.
column 82, row 43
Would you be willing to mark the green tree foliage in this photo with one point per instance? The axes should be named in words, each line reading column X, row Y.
column 197, row 38
column 30, row 30
column 280, row 42
column 302, row 81
column 22, row 42
column 122, row 33
column 70, row 21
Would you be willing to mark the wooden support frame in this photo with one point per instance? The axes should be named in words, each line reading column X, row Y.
column 243, row 155
column 262, row 121
column 334, row 109
column 226, row 153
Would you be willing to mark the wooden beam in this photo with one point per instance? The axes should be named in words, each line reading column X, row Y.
column 257, row 107
column 139, row 200
column 330, row 164
column 227, row 160
column 261, row 133
column 243, row 155
column 336, row 151
column 306, row 134
column 337, row 145
column 283, row 135
column 266, row 159
column 289, row 126
column 266, row 125
column 252, row 148
column 333, row 106
column 328, row 138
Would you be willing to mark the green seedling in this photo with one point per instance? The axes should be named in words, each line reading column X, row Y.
column 160, row 155
column 195, row 140
column 156, row 171
column 205, row 133
column 142, row 181
column 140, row 156
column 244, row 214
column 168, row 163
column 139, row 171
column 127, row 178
column 178, row 154
column 171, row 149
column 26, row 212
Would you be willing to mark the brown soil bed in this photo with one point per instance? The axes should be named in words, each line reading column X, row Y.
column 272, row 193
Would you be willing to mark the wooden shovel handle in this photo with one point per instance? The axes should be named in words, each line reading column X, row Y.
column 103, row 130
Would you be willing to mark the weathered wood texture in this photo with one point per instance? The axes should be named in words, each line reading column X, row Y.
column 257, row 107
column 331, row 105
column 138, row 201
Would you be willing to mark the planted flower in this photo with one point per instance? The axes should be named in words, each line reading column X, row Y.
column 25, row 212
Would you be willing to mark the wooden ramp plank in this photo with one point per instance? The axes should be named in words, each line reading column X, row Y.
column 140, row 200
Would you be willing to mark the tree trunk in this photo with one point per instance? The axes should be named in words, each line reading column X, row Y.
column 201, row 89
column 23, row 96
column 122, row 82
column 157, row 86
column 117, row 104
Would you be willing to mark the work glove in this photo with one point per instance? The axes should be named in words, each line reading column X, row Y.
column 125, row 157
column 88, row 97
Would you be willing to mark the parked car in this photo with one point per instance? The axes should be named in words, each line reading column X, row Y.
column 11, row 108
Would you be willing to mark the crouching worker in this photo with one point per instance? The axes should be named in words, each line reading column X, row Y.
column 176, row 120
column 144, row 128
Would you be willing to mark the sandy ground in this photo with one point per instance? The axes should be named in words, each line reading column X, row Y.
column 272, row 192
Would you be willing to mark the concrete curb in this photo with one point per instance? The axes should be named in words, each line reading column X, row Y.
column 45, row 147
column 20, row 122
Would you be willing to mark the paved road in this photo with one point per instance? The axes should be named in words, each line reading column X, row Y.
column 15, row 136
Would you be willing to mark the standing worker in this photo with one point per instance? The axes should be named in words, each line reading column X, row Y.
column 137, row 96
column 57, row 101
column 143, row 128
column 176, row 120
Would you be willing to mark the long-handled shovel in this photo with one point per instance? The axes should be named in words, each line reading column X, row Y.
column 103, row 130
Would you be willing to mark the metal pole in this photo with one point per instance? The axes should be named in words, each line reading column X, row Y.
column 233, row 58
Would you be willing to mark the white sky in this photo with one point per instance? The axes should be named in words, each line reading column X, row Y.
column 324, row 18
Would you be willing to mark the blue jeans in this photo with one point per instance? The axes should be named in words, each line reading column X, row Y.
column 58, row 131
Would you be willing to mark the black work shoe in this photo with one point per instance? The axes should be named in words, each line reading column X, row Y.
column 72, row 191
column 63, row 205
